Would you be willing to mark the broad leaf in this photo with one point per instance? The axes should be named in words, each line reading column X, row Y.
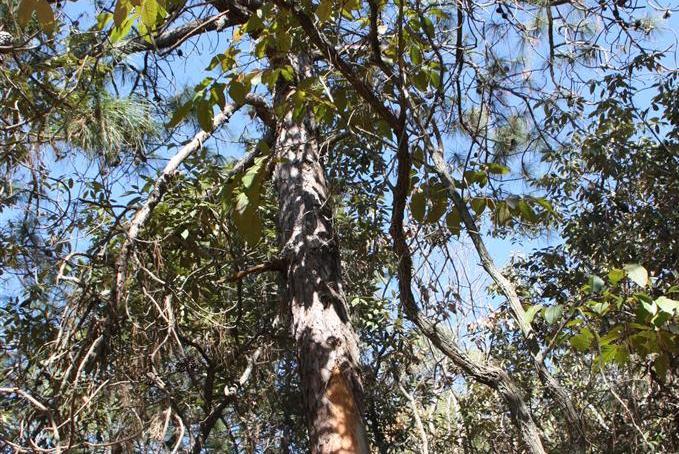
column 637, row 273
column 667, row 305
column 238, row 90
column 205, row 114
column 180, row 114
column 582, row 340
column 324, row 10
column 531, row 312
column 553, row 313
column 418, row 203
column 596, row 284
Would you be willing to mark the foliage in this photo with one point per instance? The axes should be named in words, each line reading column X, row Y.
column 556, row 118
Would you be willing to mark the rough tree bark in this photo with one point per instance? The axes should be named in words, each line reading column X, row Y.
column 326, row 343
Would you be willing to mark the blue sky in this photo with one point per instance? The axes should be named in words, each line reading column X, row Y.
column 190, row 69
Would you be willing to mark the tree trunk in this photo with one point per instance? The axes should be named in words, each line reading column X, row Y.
column 326, row 343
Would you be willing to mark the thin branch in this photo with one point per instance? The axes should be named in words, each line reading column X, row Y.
column 159, row 189
column 273, row 265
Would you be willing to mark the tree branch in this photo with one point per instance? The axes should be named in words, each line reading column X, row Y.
column 176, row 36
column 508, row 289
column 273, row 265
column 159, row 189
column 492, row 376
column 362, row 87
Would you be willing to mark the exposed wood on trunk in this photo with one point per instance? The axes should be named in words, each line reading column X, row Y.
column 326, row 344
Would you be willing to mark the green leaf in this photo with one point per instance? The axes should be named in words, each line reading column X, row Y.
column 637, row 273
column 149, row 13
column 205, row 115
column 439, row 203
column 287, row 73
column 247, row 219
column 596, row 284
column 544, row 203
column 526, row 211
column 121, row 31
column 600, row 308
column 453, row 221
column 383, row 129
column 185, row 233
column 145, row 32
column 611, row 353
column 238, row 90
column 661, row 365
column 582, row 340
column 254, row 23
column 253, row 172
column 202, row 86
column 435, row 77
column 428, row 26
column 418, row 203
column 494, row 167
column 103, row 19
column 651, row 308
column 667, row 305
column 415, row 55
column 530, row 313
column 502, row 214
column 553, row 313
column 420, row 80
column 217, row 95
column 180, row 114
column 254, row 78
column 475, row 176
column 660, row 318
column 513, row 201
column 612, row 335
column 615, row 275
column 351, row 5
column 270, row 77
column 283, row 41
column 262, row 44
column 324, row 10
column 478, row 205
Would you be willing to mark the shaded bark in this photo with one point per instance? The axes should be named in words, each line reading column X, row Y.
column 326, row 344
